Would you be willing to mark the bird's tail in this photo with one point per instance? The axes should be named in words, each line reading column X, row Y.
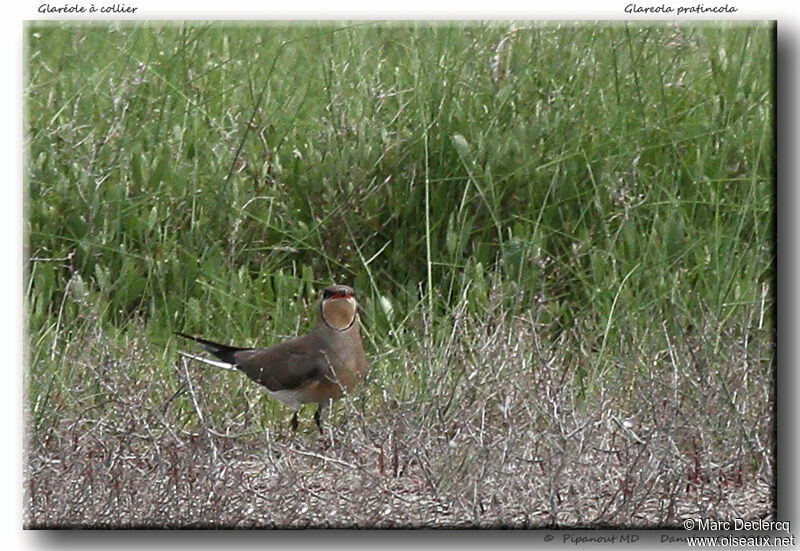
column 222, row 351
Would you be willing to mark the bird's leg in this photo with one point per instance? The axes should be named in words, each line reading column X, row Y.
column 294, row 422
column 318, row 419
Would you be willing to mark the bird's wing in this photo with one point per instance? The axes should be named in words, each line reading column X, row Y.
column 285, row 366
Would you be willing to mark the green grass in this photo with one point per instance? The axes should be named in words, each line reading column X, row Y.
column 615, row 182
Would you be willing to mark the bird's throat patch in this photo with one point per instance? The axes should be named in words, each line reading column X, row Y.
column 339, row 313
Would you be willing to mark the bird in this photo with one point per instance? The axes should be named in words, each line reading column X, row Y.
column 319, row 367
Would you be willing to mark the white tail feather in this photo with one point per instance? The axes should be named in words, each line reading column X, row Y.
column 222, row 365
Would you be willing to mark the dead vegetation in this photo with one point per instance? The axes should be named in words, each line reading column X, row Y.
column 501, row 436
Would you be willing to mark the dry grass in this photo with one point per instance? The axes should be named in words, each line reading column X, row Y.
column 498, row 438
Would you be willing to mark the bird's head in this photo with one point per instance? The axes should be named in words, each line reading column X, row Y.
column 338, row 309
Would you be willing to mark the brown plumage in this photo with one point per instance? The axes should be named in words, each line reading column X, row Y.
column 319, row 367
